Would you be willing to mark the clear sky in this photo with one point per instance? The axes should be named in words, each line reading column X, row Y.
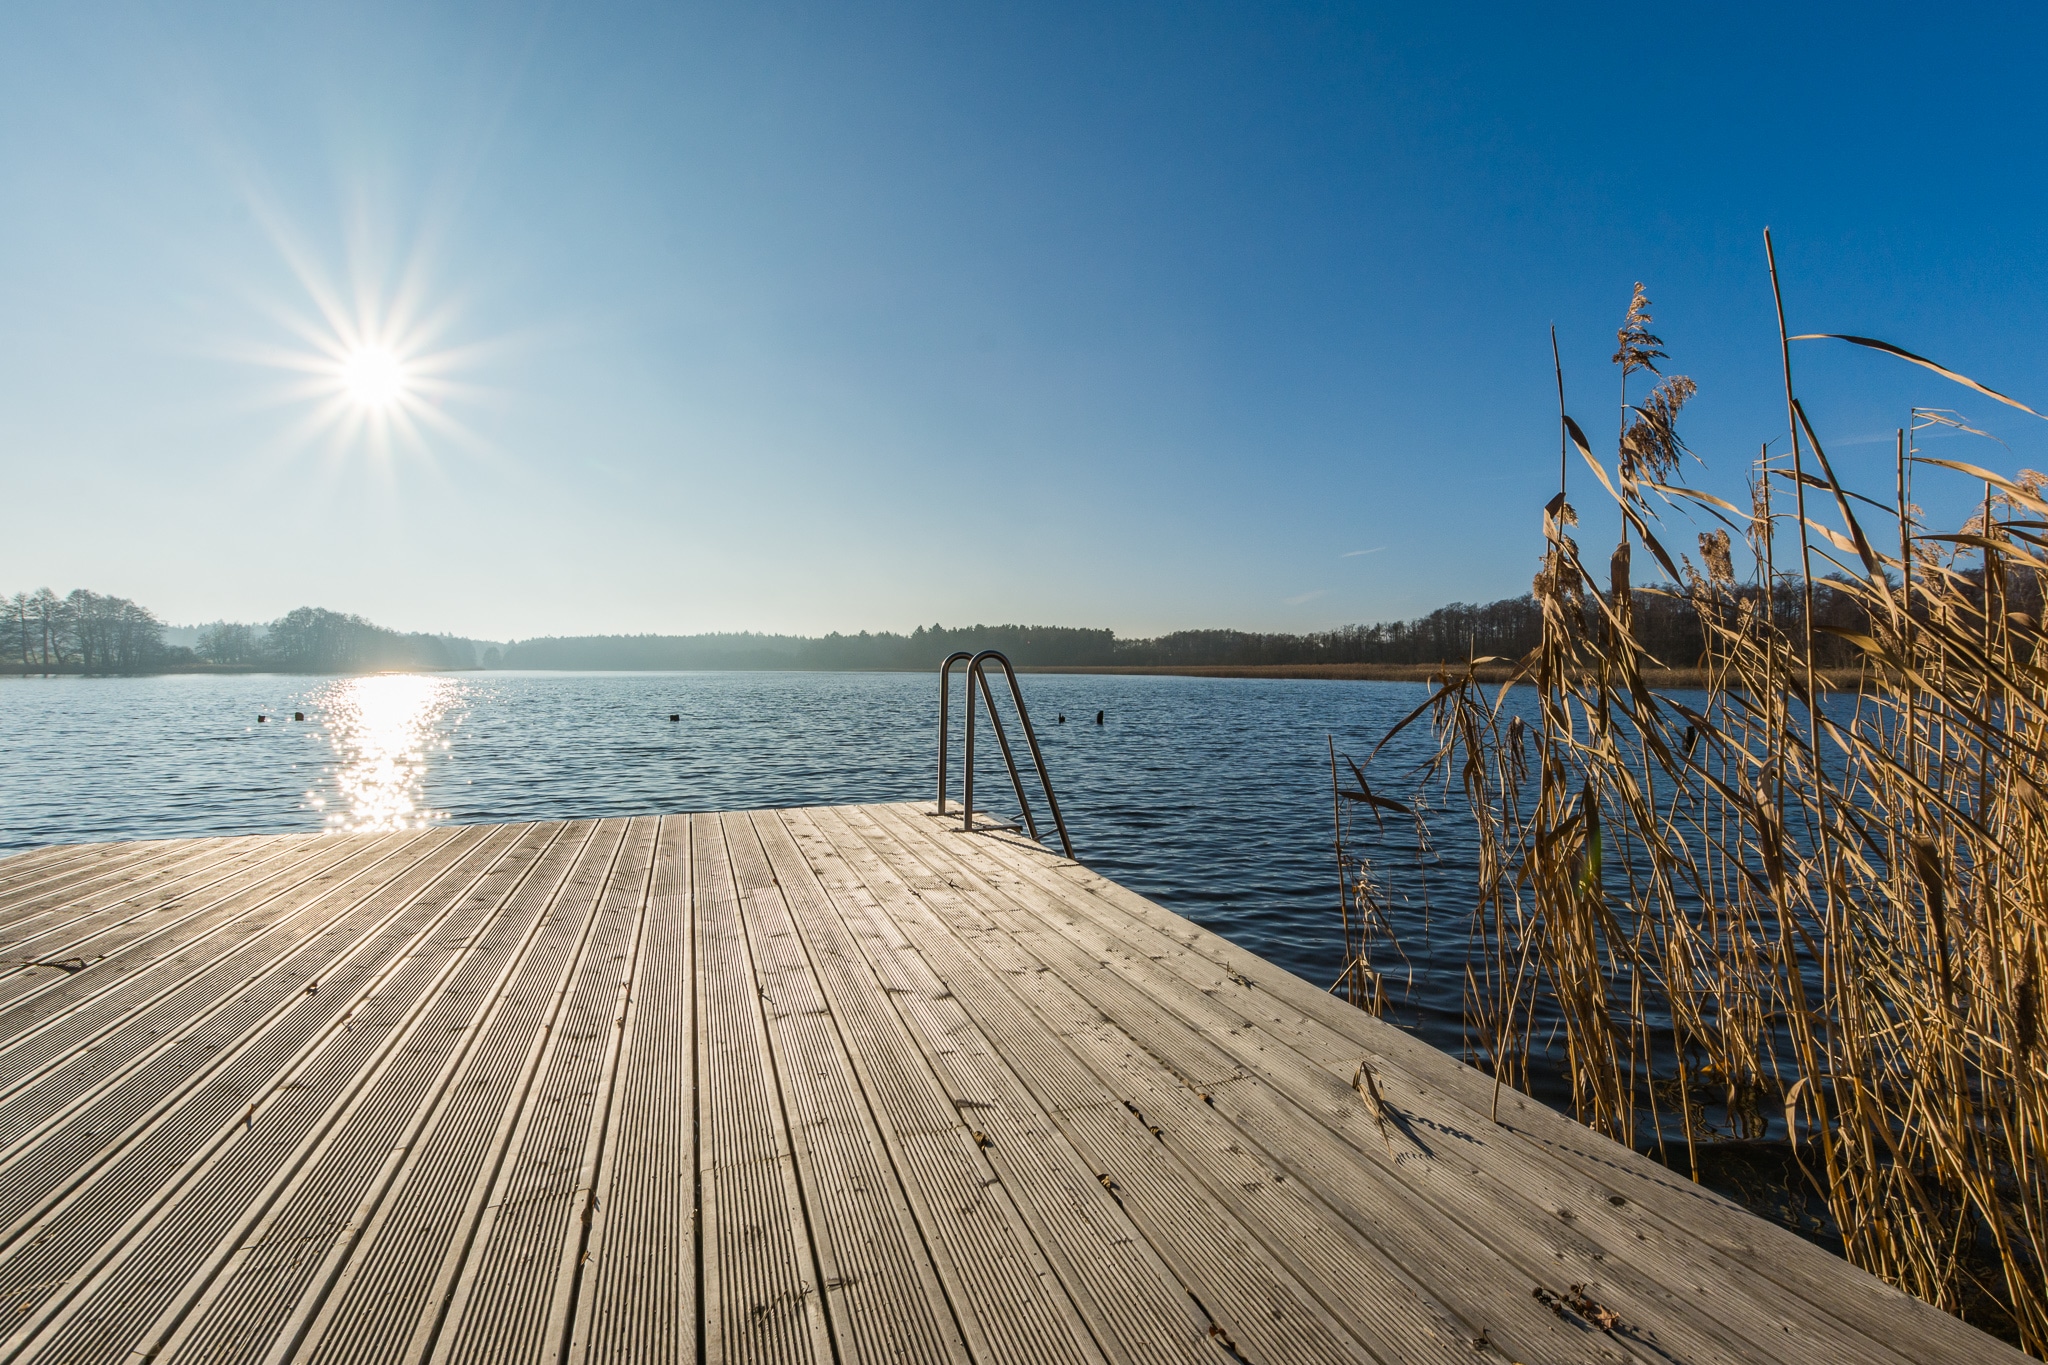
column 844, row 317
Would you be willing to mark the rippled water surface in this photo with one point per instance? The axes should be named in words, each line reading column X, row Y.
column 1211, row 796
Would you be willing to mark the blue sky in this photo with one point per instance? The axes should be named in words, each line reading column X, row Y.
column 745, row 317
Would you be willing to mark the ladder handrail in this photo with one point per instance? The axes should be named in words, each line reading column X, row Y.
column 977, row 672
column 945, row 702
column 977, row 675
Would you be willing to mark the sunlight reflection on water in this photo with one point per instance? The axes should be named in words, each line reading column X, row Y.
column 382, row 730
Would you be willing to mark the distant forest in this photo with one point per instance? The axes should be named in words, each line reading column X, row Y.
column 87, row 632
column 1665, row 623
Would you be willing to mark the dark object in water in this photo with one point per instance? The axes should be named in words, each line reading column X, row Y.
column 298, row 715
column 1098, row 718
column 1063, row 718
column 261, row 719
column 675, row 715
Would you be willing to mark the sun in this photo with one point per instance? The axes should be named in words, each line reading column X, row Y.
column 374, row 377
column 377, row 372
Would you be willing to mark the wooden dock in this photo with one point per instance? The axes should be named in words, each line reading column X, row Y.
column 830, row 1085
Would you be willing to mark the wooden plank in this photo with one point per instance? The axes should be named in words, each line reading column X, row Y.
column 238, row 1297
column 177, row 1250
column 1290, row 1308
column 70, row 895
column 33, row 861
column 88, row 1047
column 389, row 1299
column 34, row 1013
column 81, row 1201
column 1485, row 1188
column 93, row 866
column 38, row 1180
column 64, row 1001
column 1244, row 1297
column 71, row 909
column 763, row 1290
column 284, row 1268
column 1328, row 1195
column 1803, row 1303
column 36, row 864
column 1134, row 1306
column 1001, row 1287
column 106, row 947
column 637, row 1300
column 512, row 1299
column 883, row 1299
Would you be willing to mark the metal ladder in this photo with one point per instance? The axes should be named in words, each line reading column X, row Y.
column 977, row 675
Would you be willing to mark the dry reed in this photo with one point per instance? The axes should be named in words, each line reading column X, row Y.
column 1817, row 909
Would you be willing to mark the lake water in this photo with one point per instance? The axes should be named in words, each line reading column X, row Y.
column 1212, row 796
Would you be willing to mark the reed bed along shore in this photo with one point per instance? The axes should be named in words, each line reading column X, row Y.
column 1501, row 671
column 1801, row 904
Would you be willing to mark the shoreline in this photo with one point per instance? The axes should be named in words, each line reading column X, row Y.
column 1688, row 678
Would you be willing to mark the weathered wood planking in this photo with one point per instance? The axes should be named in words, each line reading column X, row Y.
column 844, row 1085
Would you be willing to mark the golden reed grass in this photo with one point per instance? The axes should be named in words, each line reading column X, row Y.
column 1829, row 897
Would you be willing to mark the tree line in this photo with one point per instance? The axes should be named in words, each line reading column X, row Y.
column 96, row 633
column 88, row 632
column 1507, row 628
column 921, row 648
column 1665, row 624
column 83, row 630
column 315, row 640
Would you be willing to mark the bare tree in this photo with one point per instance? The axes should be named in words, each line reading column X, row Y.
column 46, row 613
column 84, row 625
column 225, row 642
column 14, row 633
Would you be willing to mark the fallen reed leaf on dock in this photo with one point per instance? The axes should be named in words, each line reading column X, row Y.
column 1368, row 1087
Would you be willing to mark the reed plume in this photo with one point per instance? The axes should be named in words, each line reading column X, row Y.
column 1636, row 347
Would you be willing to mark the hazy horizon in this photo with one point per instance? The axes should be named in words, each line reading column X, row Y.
column 175, row 632
column 684, row 320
